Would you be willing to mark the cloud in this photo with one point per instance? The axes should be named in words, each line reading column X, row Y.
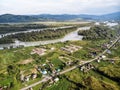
column 59, row 6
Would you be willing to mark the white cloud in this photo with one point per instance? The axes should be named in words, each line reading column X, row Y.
column 59, row 6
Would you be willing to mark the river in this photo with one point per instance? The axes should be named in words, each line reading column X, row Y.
column 31, row 30
column 71, row 36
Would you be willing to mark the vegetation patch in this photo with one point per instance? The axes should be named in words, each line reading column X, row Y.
column 97, row 33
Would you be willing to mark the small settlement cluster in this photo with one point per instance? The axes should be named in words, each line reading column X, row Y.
column 47, row 68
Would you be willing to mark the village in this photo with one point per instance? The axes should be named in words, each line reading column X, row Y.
column 48, row 62
column 49, row 68
column 60, row 45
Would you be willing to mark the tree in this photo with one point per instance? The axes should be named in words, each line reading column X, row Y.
column 14, row 72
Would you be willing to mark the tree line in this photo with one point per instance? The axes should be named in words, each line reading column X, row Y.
column 7, row 28
column 37, row 35
column 97, row 32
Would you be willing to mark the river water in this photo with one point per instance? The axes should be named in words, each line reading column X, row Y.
column 31, row 30
column 71, row 36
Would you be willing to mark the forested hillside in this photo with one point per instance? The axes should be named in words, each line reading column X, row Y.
column 8, row 18
column 97, row 32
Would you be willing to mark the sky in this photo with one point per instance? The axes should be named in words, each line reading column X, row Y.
column 32, row 7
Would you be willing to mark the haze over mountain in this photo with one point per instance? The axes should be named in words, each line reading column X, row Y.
column 6, row 18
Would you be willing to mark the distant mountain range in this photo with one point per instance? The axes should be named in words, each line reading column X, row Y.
column 7, row 18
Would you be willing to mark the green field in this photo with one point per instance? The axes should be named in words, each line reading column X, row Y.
column 104, row 76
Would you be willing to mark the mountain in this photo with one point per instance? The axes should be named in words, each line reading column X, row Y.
column 62, row 17
column 112, row 16
column 6, row 18
column 109, row 17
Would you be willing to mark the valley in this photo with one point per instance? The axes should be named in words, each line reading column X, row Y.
column 70, row 62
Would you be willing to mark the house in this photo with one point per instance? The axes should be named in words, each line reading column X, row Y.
column 58, row 70
column 44, row 69
column 82, row 68
column 111, row 42
column 34, row 76
column 44, row 72
column 109, row 52
column 68, row 62
column 93, row 54
column 89, row 66
column 44, row 64
column 22, row 77
column 52, row 48
column 112, row 61
column 27, row 78
column 103, row 56
column 105, row 45
column 98, row 60
column 56, row 79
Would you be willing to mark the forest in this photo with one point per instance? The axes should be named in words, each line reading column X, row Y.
column 37, row 35
column 97, row 32
column 7, row 28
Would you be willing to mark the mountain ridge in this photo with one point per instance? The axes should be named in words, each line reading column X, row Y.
column 8, row 18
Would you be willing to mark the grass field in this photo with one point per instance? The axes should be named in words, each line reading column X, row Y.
column 73, row 80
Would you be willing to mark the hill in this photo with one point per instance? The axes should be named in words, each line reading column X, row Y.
column 6, row 18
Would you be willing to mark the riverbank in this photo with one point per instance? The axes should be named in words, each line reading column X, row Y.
column 71, row 36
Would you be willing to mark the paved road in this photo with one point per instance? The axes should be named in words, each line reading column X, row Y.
column 96, row 58
column 32, row 85
column 74, row 67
